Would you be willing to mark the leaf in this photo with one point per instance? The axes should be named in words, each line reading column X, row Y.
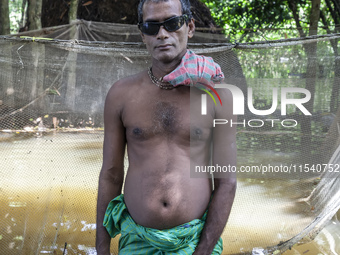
column 87, row 3
column 53, row 92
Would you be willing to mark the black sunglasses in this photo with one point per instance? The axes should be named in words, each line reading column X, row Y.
column 171, row 25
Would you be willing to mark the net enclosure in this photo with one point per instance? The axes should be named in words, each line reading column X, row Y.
column 53, row 84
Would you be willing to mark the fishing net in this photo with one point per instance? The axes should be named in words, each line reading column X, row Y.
column 53, row 84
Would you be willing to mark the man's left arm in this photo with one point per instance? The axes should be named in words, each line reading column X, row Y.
column 224, row 154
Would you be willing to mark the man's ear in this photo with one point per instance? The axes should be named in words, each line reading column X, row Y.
column 191, row 26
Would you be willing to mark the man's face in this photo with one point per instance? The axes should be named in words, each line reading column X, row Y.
column 166, row 47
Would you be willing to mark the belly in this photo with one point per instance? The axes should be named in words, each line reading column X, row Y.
column 162, row 198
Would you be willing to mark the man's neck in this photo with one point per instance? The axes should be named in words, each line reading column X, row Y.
column 160, row 69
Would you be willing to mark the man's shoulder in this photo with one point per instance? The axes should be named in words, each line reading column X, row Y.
column 123, row 86
column 130, row 81
column 226, row 106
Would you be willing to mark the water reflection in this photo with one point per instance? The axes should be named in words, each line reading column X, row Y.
column 48, row 189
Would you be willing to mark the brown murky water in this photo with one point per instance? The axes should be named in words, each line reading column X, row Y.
column 48, row 189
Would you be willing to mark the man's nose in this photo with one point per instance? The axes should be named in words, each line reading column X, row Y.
column 162, row 33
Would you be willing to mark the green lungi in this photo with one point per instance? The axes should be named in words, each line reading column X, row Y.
column 136, row 239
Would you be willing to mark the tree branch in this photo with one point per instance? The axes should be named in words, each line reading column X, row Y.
column 4, row 14
column 329, row 5
column 314, row 17
column 72, row 13
column 336, row 7
column 326, row 25
column 293, row 8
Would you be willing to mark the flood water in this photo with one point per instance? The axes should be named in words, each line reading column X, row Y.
column 48, row 189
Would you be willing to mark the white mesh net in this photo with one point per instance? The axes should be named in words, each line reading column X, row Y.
column 52, row 96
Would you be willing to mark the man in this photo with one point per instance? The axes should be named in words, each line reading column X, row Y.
column 163, row 210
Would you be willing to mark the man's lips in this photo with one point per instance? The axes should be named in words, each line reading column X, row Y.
column 164, row 46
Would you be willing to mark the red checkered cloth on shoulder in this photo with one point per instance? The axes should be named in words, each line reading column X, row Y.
column 195, row 70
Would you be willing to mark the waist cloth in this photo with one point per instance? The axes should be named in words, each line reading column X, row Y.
column 136, row 239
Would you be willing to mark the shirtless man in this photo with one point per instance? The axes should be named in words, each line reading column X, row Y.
column 163, row 141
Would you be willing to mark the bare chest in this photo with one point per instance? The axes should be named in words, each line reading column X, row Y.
column 170, row 119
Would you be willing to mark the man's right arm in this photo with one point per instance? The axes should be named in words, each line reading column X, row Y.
column 112, row 173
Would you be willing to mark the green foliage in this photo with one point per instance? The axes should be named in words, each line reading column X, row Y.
column 254, row 20
column 15, row 15
column 284, row 62
column 241, row 18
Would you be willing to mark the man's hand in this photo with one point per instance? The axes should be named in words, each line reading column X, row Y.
column 218, row 214
column 112, row 173
column 224, row 153
column 201, row 251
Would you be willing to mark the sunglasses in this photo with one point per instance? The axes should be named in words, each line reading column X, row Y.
column 171, row 25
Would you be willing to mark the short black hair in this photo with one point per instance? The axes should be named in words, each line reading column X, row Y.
column 184, row 3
